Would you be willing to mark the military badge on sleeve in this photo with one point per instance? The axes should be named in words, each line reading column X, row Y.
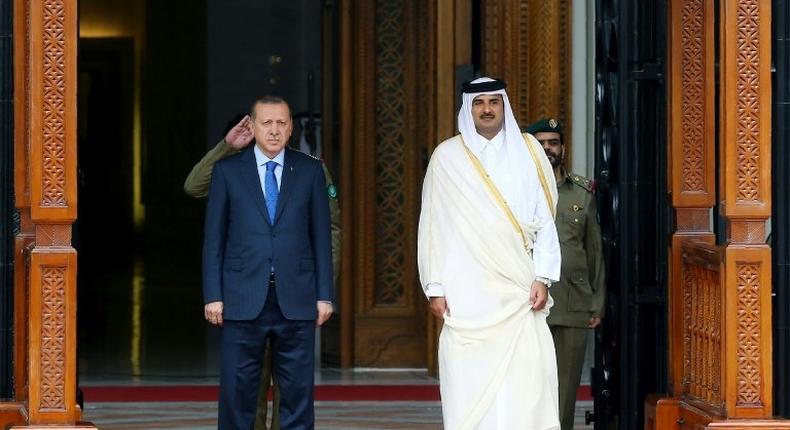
column 331, row 191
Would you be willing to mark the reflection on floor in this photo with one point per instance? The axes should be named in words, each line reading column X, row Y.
column 141, row 325
column 329, row 415
column 404, row 413
column 409, row 409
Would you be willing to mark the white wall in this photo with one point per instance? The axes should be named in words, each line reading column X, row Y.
column 583, row 87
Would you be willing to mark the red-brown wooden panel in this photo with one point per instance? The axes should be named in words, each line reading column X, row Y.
column 745, row 119
column 748, row 337
column 53, row 37
column 53, row 337
column 691, row 103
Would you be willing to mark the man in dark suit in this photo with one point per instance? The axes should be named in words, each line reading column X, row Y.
column 267, row 268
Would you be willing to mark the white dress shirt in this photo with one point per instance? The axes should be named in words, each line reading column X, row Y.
column 261, row 159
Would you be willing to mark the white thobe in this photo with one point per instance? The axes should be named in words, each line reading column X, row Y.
column 498, row 160
column 496, row 355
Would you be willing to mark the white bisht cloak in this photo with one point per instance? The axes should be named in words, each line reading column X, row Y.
column 497, row 364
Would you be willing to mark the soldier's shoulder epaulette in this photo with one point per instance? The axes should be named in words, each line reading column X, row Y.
column 304, row 153
column 587, row 184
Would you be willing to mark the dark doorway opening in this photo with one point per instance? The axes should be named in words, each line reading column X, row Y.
column 151, row 103
column 8, row 219
column 631, row 162
column 105, row 213
column 780, row 219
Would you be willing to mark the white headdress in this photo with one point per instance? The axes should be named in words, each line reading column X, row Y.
column 466, row 123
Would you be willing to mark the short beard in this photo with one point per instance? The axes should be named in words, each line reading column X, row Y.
column 556, row 161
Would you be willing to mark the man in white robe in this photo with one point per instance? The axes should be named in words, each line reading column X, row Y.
column 487, row 253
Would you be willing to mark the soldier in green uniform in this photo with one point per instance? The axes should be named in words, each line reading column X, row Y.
column 197, row 185
column 579, row 295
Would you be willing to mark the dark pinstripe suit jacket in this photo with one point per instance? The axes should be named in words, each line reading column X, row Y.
column 241, row 244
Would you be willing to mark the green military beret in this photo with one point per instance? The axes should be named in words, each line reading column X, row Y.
column 544, row 125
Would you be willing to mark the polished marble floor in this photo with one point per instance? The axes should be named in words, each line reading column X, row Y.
column 141, row 324
column 329, row 415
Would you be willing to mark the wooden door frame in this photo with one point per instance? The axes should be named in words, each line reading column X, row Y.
column 45, row 173
column 436, row 55
column 720, row 296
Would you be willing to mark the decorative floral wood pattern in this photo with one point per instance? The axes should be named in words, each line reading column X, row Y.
column 53, row 109
column 693, row 95
column 526, row 43
column 702, row 334
column 544, row 62
column 748, row 105
column 492, row 31
column 688, row 313
column 748, row 335
column 53, row 235
column 53, row 338
column 390, row 152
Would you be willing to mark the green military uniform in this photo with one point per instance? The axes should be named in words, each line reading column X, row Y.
column 197, row 186
column 580, row 293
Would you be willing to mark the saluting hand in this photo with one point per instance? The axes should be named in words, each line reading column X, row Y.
column 324, row 313
column 538, row 295
column 213, row 313
column 240, row 135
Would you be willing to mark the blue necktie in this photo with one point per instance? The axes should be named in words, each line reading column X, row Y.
column 272, row 192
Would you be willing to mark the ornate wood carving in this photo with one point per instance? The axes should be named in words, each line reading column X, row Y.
column 52, row 68
column 702, row 342
column 748, row 84
column 748, row 354
column 693, row 98
column 52, row 304
column 691, row 103
column 45, row 159
column 382, row 139
column 746, row 119
column 695, row 220
column 492, row 33
column 747, row 232
column 55, row 235
column 53, row 110
column 526, row 43
column 544, row 61
column 391, row 156
column 723, row 316
column 748, row 332
column 53, row 338
column 690, row 136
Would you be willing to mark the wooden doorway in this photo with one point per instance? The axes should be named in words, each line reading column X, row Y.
column 382, row 136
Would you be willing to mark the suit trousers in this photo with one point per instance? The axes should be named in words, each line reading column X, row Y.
column 293, row 357
column 570, row 344
column 267, row 380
